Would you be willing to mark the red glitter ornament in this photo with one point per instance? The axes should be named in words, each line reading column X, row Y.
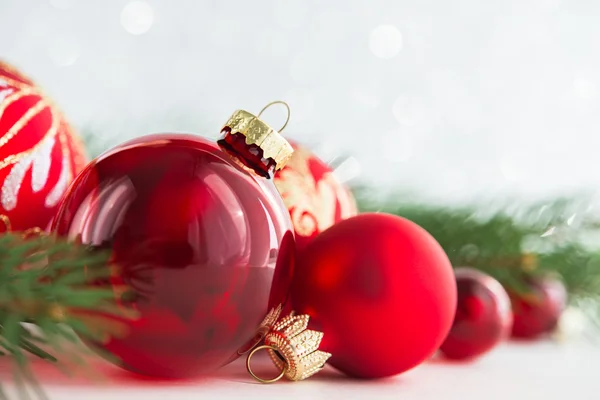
column 537, row 312
column 315, row 199
column 483, row 316
column 39, row 152
column 381, row 291
column 201, row 238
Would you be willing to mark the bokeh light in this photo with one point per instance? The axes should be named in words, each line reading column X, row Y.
column 584, row 88
column 137, row 17
column 347, row 170
column 385, row 41
column 461, row 90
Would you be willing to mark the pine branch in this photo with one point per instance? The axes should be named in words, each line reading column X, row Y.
column 48, row 282
column 512, row 244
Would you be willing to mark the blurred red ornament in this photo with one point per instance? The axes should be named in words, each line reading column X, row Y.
column 314, row 197
column 537, row 312
column 483, row 316
column 39, row 153
column 201, row 238
column 380, row 289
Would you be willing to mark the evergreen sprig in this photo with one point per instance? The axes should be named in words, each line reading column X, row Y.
column 46, row 301
column 512, row 243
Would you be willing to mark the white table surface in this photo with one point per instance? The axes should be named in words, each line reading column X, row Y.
column 529, row 371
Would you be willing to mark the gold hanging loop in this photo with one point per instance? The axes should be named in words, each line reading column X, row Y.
column 259, row 379
column 289, row 112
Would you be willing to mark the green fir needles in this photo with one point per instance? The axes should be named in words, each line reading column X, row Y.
column 47, row 302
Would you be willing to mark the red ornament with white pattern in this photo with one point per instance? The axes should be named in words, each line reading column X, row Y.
column 314, row 197
column 39, row 152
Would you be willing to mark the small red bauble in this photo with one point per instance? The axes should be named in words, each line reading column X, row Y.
column 201, row 238
column 538, row 311
column 315, row 199
column 381, row 290
column 483, row 316
column 39, row 153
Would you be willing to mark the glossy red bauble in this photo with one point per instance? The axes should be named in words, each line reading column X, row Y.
column 39, row 153
column 381, row 290
column 204, row 245
column 537, row 312
column 483, row 316
column 315, row 199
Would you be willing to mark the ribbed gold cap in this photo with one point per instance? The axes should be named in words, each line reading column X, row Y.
column 259, row 133
column 293, row 348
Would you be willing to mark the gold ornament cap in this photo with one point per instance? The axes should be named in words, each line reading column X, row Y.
column 259, row 133
column 293, row 348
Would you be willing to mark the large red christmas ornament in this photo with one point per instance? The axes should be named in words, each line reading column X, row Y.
column 483, row 316
column 381, row 291
column 200, row 237
column 39, row 153
column 537, row 312
column 315, row 199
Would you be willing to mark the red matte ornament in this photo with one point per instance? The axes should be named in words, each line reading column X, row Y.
column 201, row 238
column 39, row 152
column 314, row 197
column 483, row 316
column 537, row 312
column 380, row 289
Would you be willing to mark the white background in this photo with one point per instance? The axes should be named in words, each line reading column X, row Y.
column 526, row 371
column 454, row 100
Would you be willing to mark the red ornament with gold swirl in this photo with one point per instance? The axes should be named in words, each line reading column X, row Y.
column 314, row 197
column 39, row 152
